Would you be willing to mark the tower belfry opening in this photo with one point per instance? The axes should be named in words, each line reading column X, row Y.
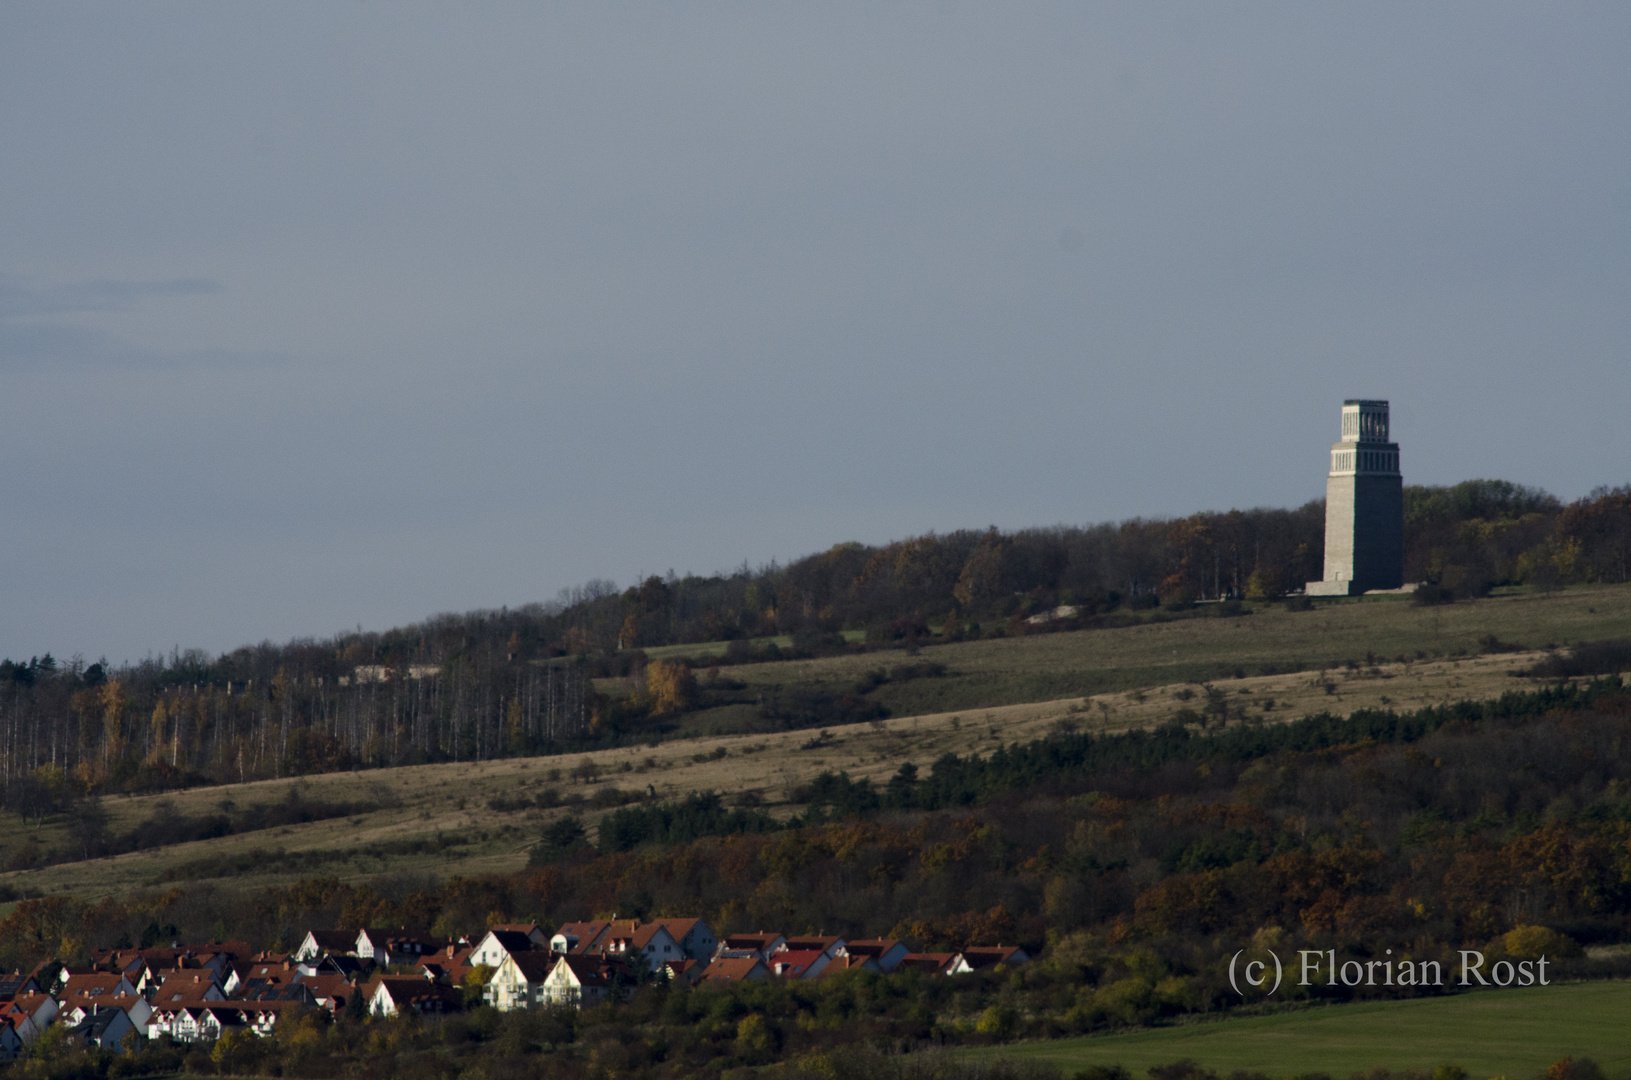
column 1364, row 506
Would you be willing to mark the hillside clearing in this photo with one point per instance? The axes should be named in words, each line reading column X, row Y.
column 467, row 818
column 1162, row 651
column 438, row 818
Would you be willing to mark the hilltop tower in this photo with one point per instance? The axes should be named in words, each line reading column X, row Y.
column 1364, row 506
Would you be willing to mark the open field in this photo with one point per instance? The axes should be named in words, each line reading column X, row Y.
column 438, row 818
column 1515, row 1033
column 717, row 648
column 1049, row 667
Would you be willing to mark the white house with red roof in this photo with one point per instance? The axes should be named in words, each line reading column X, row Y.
column 76, row 1007
column 188, row 986
column 321, row 942
column 92, row 982
column 390, row 995
column 582, row 980
column 649, row 943
column 518, row 981
column 500, row 944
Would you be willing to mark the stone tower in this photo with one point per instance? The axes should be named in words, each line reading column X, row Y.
column 1364, row 507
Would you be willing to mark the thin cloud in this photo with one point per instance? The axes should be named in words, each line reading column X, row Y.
column 29, row 337
column 18, row 299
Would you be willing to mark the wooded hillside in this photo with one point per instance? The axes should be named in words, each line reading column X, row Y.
column 518, row 681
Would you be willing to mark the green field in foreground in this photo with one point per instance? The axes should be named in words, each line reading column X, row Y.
column 1513, row 1033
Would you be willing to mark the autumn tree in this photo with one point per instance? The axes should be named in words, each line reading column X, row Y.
column 672, row 687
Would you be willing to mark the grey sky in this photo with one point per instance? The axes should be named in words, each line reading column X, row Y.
column 321, row 315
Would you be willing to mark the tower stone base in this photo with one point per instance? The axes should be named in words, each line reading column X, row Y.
column 1331, row 588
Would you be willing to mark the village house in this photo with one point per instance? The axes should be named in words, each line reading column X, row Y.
column 980, row 957
column 832, row 947
column 391, row 995
column 127, row 962
column 518, row 982
column 198, row 993
column 136, row 969
column 934, row 963
column 292, row 994
column 104, row 1028
column 322, row 942
column 451, row 965
column 247, row 974
column 30, row 1013
column 188, row 986
column 577, row 981
column 11, row 1043
column 400, row 946
column 762, row 945
column 188, row 1023
column 331, row 992
column 798, row 963
column 683, row 972
column 350, row 968
column 17, row 983
column 145, row 968
column 255, row 1017
column 68, row 971
column 165, row 1021
column 886, row 952
column 216, row 957
column 499, row 944
column 211, row 1022
column 74, row 1009
column 618, row 939
column 695, row 940
column 534, row 933
column 728, row 969
column 88, row 981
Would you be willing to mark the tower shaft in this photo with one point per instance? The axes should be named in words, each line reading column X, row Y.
column 1364, row 506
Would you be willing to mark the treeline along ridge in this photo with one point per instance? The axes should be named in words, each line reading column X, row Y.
column 519, row 681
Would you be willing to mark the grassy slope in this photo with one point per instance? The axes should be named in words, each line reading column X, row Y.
column 450, row 799
column 1496, row 1033
column 1047, row 667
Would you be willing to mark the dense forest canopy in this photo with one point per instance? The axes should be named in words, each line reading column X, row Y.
column 518, row 681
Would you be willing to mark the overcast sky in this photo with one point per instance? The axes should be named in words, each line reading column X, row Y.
column 314, row 316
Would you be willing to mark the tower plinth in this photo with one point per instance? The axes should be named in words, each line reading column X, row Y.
column 1364, row 506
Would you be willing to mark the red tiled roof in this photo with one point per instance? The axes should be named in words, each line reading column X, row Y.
column 818, row 943
column 732, row 968
column 840, row 964
column 794, row 962
column 938, row 962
